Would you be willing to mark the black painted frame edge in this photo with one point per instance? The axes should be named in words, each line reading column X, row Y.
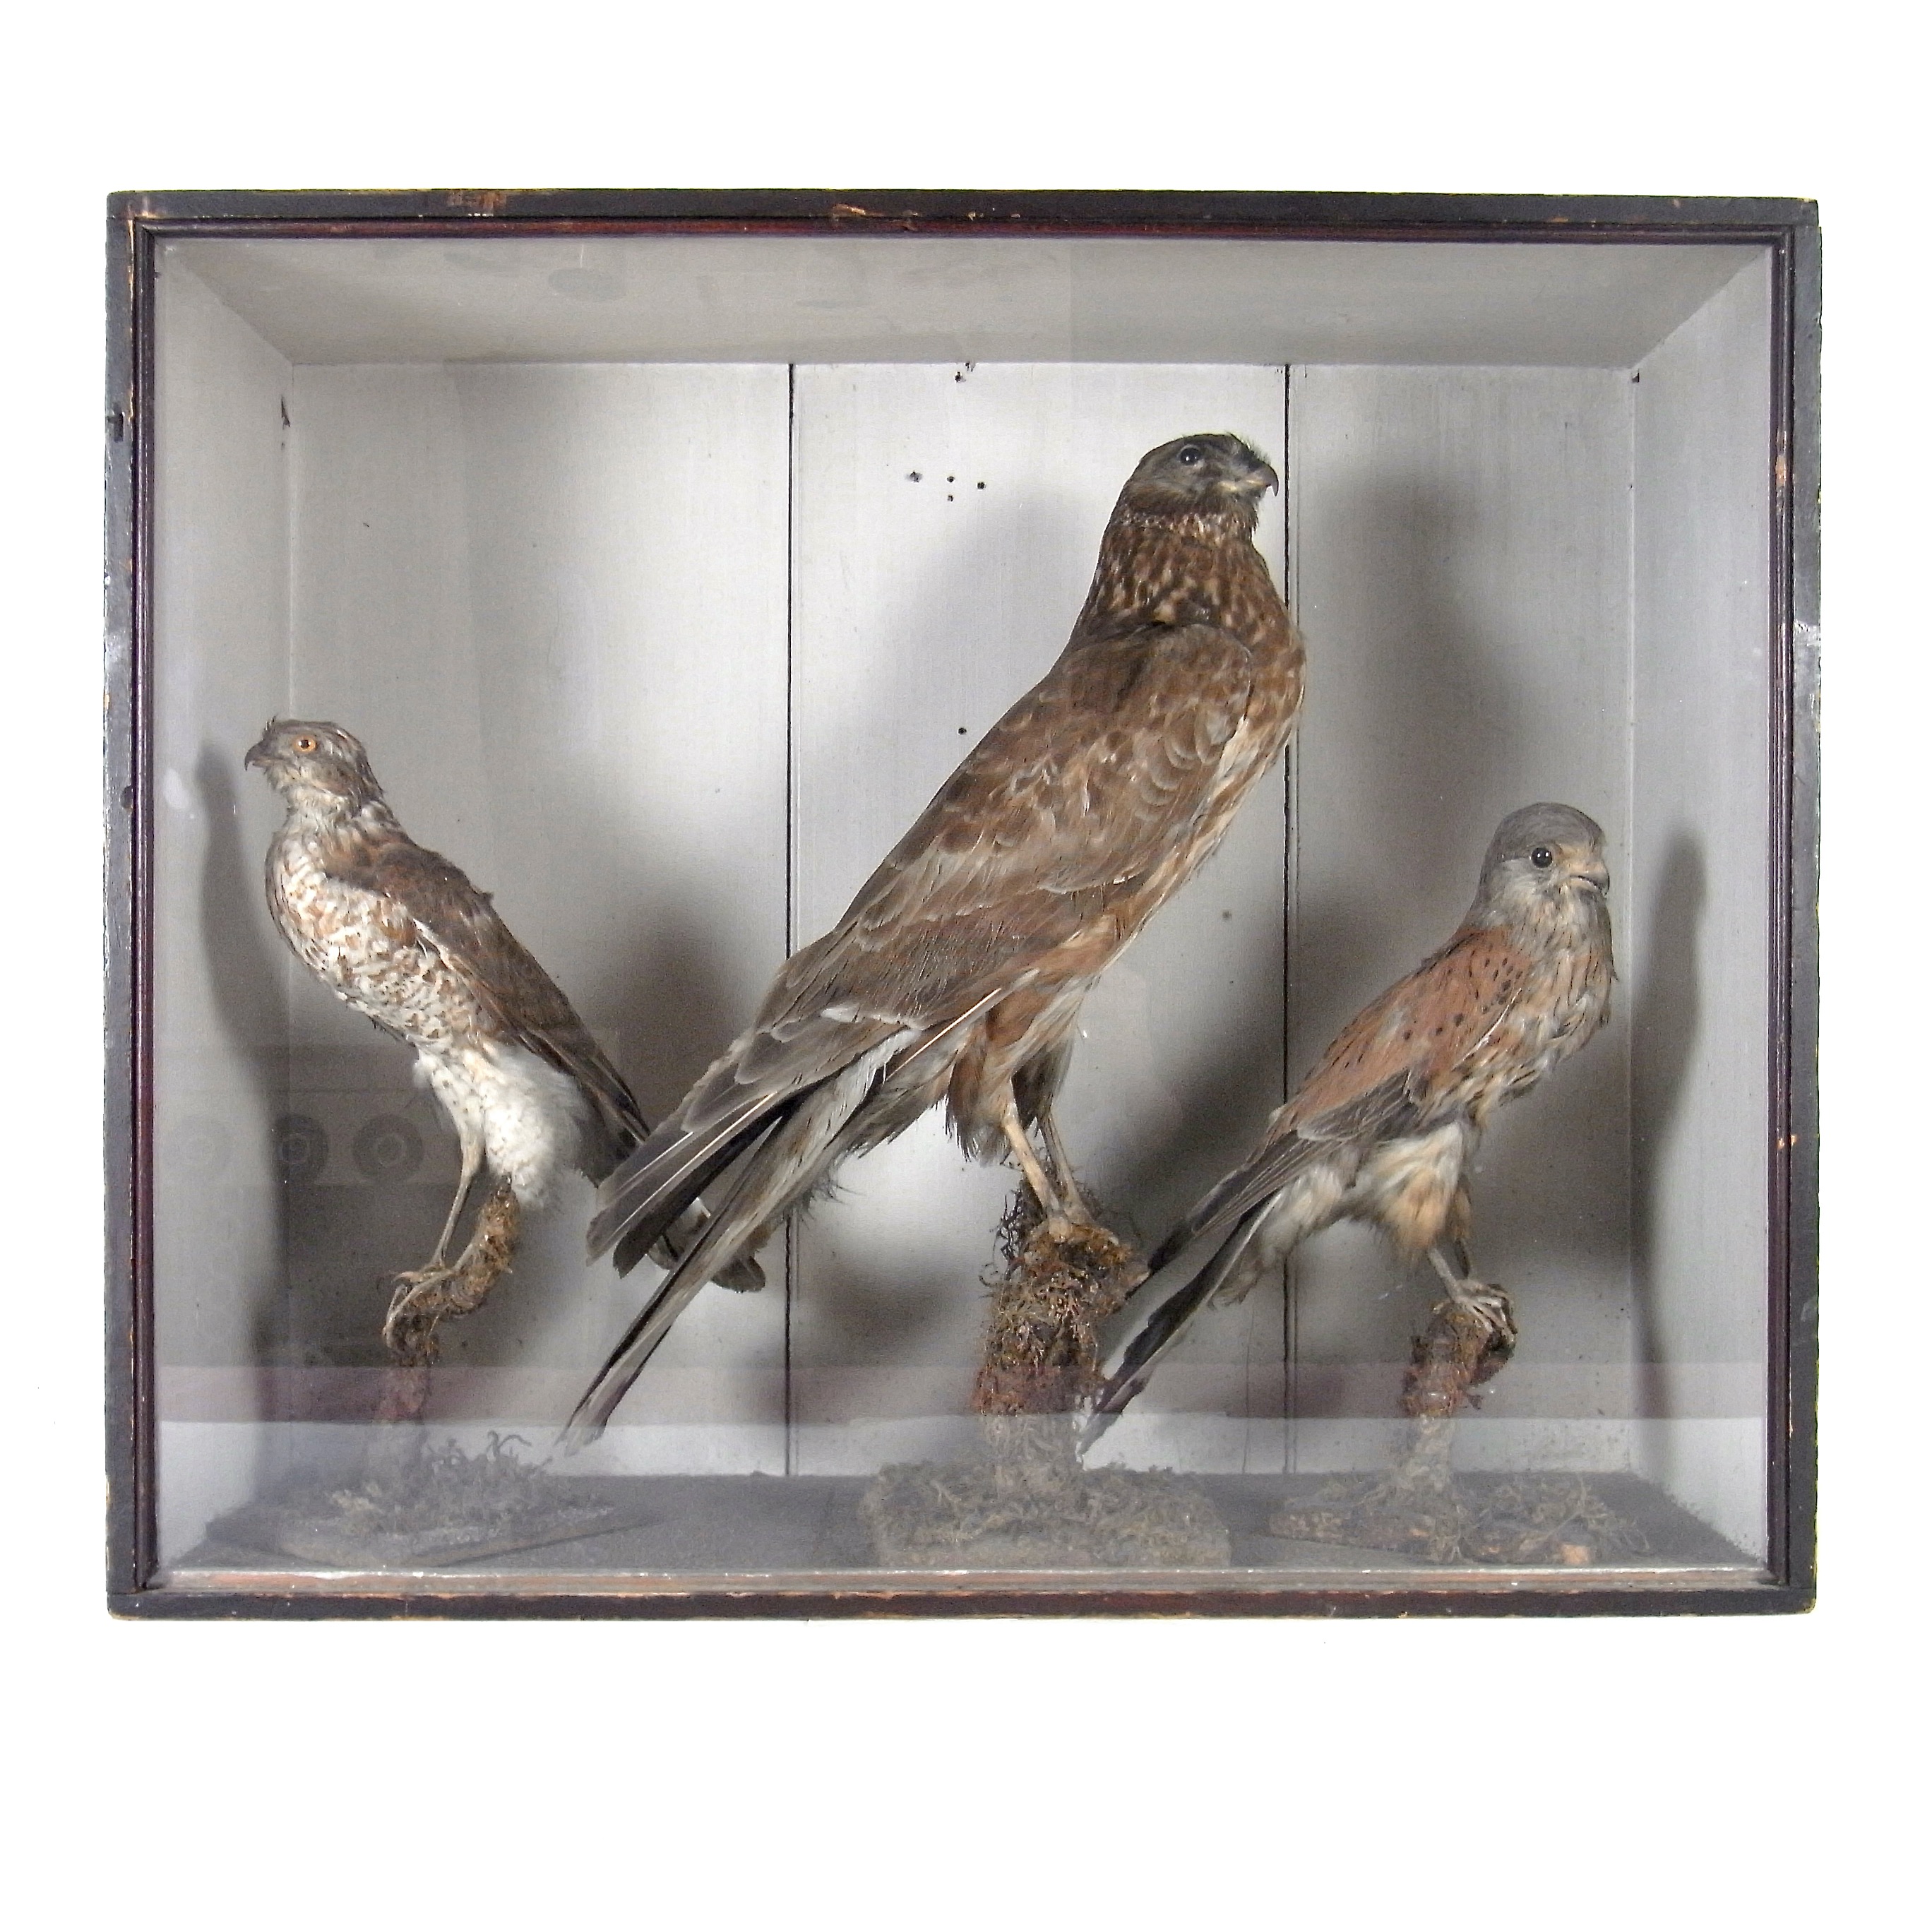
column 1325, row 1604
column 129, row 1409
column 1797, row 539
column 889, row 208
column 1788, row 227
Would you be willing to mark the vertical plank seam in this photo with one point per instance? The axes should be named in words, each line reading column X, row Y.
column 1637, row 1295
column 1290, row 873
column 791, row 1461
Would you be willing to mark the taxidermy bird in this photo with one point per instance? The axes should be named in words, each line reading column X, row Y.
column 1385, row 1128
column 957, row 973
column 401, row 935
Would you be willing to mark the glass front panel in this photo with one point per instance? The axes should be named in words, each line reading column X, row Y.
column 664, row 582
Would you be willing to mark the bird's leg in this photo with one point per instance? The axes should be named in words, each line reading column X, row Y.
column 1482, row 1298
column 1062, row 1168
column 414, row 1289
column 472, row 1159
column 423, row 1299
column 1059, row 1222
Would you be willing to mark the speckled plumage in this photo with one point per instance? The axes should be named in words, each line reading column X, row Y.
column 399, row 933
column 957, row 973
column 1385, row 1128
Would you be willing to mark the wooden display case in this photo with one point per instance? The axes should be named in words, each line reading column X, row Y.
column 668, row 550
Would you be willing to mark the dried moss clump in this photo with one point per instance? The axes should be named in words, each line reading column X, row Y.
column 1420, row 1510
column 436, row 1504
column 1027, row 1504
column 1458, row 1351
column 1043, row 1352
column 1524, row 1520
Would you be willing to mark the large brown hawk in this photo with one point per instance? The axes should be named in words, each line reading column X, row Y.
column 958, row 972
column 402, row 936
column 1385, row 1128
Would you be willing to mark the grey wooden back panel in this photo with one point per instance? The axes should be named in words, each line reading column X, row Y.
column 946, row 521
column 658, row 651
column 1461, row 548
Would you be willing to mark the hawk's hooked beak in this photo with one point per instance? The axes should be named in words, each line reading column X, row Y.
column 257, row 755
column 1596, row 874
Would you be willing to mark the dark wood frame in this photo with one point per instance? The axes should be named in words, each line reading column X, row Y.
column 1788, row 228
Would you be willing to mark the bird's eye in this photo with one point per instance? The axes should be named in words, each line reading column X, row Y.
column 1190, row 455
column 304, row 743
column 1543, row 858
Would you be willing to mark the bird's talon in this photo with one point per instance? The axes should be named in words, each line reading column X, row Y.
column 411, row 1278
column 1489, row 1305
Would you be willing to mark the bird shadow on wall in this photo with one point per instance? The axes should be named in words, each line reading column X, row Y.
column 967, row 639
column 1666, row 1014
column 671, row 999
column 245, row 964
column 1216, row 1106
column 1410, row 749
column 1411, row 743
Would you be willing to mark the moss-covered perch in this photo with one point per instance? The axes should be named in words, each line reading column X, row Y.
column 1024, row 1502
column 1419, row 1509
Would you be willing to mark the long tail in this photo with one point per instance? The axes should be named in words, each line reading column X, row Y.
column 798, row 1147
column 643, row 1201
column 743, row 1274
column 625, row 1363
column 1260, row 1177
column 1166, row 1325
column 612, row 1129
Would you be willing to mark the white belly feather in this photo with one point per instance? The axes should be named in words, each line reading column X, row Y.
column 526, row 1115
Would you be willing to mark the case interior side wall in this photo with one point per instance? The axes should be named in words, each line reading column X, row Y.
column 221, row 622
column 1696, row 991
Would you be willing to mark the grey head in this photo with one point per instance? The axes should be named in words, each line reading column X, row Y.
column 314, row 763
column 1211, row 474
column 1545, row 862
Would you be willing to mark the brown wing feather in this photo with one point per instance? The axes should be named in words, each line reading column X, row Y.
column 1425, row 1027
column 502, row 974
column 1386, row 1072
column 1086, row 784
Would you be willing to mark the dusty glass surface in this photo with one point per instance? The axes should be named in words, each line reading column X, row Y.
column 664, row 581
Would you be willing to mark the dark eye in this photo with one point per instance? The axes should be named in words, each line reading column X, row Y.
column 1543, row 858
column 1190, row 455
column 304, row 743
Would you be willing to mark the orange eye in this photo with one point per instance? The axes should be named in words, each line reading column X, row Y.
column 304, row 744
